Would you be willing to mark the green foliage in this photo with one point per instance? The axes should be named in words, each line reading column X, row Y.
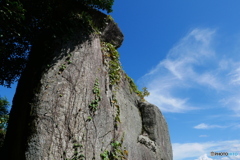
column 132, row 85
column 109, row 51
column 3, row 118
column 117, row 115
column 105, row 155
column 114, row 65
column 77, row 154
column 133, row 88
column 65, row 64
column 25, row 23
column 13, row 43
column 89, row 118
column 143, row 93
column 97, row 97
column 62, row 67
column 3, row 114
column 117, row 153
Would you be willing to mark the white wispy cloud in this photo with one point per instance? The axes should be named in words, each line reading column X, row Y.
column 232, row 102
column 178, row 71
column 204, row 157
column 167, row 103
column 203, row 136
column 190, row 52
column 193, row 66
column 198, row 150
column 206, row 126
column 235, row 74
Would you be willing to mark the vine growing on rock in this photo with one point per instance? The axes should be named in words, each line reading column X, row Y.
column 117, row 152
column 117, row 111
column 97, row 97
column 111, row 59
column 114, row 67
column 133, row 88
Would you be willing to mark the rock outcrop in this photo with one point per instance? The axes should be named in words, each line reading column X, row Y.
column 85, row 107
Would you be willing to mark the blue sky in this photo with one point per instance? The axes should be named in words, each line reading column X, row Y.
column 187, row 53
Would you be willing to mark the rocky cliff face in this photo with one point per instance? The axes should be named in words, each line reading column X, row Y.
column 85, row 107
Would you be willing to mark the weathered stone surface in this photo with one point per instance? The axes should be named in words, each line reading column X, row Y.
column 72, row 110
column 155, row 127
column 112, row 34
column 146, row 131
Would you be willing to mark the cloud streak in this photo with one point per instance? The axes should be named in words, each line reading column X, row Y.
column 206, row 126
column 204, row 157
column 197, row 150
column 178, row 71
column 203, row 136
column 191, row 68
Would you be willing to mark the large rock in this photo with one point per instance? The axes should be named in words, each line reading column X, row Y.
column 112, row 34
column 84, row 107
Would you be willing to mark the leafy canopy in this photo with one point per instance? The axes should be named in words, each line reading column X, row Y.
column 23, row 21
column 3, row 113
column 3, row 118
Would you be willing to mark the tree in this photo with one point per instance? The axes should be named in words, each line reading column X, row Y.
column 24, row 22
column 3, row 118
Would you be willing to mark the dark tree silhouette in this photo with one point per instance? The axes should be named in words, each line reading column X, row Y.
column 24, row 22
